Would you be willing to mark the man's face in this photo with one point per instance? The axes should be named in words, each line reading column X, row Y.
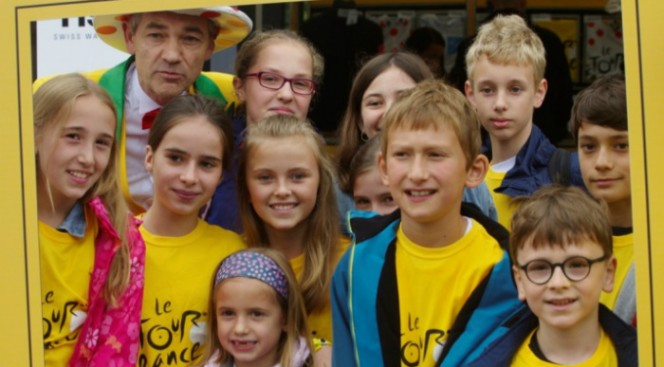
column 170, row 50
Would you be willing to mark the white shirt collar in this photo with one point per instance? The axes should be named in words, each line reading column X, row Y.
column 136, row 97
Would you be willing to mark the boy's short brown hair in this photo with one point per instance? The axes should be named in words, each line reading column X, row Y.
column 507, row 40
column 558, row 216
column 433, row 103
column 603, row 103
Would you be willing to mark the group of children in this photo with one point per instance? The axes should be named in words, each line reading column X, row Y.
column 435, row 282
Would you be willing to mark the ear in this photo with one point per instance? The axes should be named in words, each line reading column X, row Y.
column 210, row 50
column 477, row 171
column 540, row 93
column 238, row 85
column 128, row 38
column 518, row 279
column 149, row 158
column 468, row 88
column 609, row 277
column 382, row 169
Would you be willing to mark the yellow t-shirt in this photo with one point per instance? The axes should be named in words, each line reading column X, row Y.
column 623, row 250
column 320, row 322
column 66, row 265
column 178, row 277
column 604, row 356
column 434, row 284
column 503, row 202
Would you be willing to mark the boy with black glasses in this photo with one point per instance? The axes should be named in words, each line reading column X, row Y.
column 561, row 247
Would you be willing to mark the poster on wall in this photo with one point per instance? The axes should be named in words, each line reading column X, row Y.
column 398, row 27
column 603, row 47
column 566, row 27
column 71, row 44
column 451, row 26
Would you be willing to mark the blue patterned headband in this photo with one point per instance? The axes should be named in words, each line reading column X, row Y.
column 248, row 264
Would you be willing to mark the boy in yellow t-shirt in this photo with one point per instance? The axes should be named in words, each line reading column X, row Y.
column 506, row 64
column 429, row 282
column 599, row 124
column 563, row 259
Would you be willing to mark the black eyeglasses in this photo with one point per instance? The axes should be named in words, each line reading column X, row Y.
column 575, row 269
column 275, row 82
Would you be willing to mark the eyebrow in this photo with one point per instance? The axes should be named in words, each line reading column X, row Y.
column 373, row 95
column 278, row 72
column 155, row 25
column 193, row 29
column 162, row 26
column 184, row 152
column 82, row 129
column 624, row 135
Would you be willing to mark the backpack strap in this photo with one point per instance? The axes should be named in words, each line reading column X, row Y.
column 559, row 167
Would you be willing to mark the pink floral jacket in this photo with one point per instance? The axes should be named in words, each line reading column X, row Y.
column 109, row 336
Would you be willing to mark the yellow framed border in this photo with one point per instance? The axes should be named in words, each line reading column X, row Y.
column 21, row 341
column 644, row 76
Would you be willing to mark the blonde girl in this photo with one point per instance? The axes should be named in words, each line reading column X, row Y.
column 287, row 202
column 91, row 253
column 259, row 315
column 188, row 146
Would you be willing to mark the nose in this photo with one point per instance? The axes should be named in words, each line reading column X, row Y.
column 603, row 161
column 86, row 154
column 418, row 170
column 171, row 50
column 285, row 93
column 500, row 102
column 188, row 174
column 283, row 189
column 240, row 326
column 374, row 207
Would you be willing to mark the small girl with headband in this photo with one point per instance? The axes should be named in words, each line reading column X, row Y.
column 259, row 314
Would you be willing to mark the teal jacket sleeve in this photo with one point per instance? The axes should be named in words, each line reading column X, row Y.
column 343, row 347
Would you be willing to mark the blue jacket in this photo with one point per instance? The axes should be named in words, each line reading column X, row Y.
column 502, row 351
column 224, row 210
column 365, row 301
column 531, row 168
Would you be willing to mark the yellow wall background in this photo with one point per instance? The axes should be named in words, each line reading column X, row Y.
column 20, row 316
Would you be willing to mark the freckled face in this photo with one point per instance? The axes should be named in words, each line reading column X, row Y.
column 425, row 171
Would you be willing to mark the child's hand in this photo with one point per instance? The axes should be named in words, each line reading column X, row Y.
column 323, row 357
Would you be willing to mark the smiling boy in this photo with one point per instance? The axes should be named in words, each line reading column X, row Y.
column 599, row 123
column 563, row 259
column 429, row 282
